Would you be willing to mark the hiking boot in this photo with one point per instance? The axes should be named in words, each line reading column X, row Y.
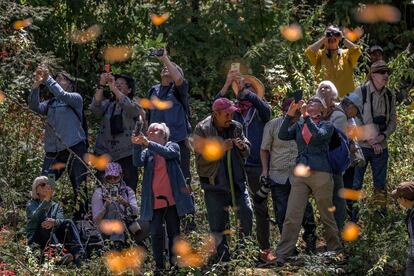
column 66, row 259
column 266, row 256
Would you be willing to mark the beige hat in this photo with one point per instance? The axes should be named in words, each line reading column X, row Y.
column 257, row 85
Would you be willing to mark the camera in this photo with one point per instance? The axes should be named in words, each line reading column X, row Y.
column 156, row 52
column 381, row 122
column 329, row 34
column 261, row 194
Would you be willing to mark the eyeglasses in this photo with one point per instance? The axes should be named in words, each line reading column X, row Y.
column 382, row 72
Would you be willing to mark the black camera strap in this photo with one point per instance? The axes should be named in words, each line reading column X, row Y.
column 364, row 91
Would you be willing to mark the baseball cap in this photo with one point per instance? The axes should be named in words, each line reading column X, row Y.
column 404, row 190
column 224, row 104
column 113, row 169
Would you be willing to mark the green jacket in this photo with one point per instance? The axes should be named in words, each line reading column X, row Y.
column 37, row 211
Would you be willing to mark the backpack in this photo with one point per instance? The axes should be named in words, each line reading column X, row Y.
column 90, row 237
column 364, row 93
column 81, row 117
column 339, row 154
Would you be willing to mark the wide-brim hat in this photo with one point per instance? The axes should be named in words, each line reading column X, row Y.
column 256, row 84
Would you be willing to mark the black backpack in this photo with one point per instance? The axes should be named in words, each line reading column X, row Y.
column 90, row 237
column 81, row 117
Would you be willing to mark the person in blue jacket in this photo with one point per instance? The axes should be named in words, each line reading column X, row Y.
column 253, row 112
column 165, row 196
column 64, row 134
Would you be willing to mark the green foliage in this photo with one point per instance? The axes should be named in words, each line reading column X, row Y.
column 203, row 37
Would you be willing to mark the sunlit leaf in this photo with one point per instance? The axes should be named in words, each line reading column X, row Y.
column 20, row 24
column 292, row 32
column 119, row 53
column 350, row 232
column 159, row 19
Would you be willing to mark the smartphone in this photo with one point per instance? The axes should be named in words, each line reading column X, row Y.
column 51, row 179
column 235, row 67
column 138, row 127
column 297, row 96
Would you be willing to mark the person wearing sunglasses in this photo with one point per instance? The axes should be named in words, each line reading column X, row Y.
column 114, row 200
column 46, row 224
column 165, row 195
column 332, row 62
column 378, row 111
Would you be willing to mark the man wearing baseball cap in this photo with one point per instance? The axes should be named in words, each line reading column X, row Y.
column 405, row 197
column 216, row 176
column 253, row 112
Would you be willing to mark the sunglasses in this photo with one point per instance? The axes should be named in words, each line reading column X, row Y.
column 382, row 72
column 111, row 177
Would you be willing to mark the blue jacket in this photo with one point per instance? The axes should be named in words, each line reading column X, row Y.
column 253, row 125
column 175, row 117
column 315, row 154
column 145, row 158
column 60, row 117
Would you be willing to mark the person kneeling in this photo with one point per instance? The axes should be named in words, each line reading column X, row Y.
column 46, row 224
column 114, row 200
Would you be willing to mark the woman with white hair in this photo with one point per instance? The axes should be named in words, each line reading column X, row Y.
column 336, row 115
column 46, row 223
column 165, row 196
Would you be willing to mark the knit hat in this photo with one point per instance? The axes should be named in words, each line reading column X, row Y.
column 113, row 169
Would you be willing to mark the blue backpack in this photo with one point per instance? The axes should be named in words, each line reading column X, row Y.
column 339, row 155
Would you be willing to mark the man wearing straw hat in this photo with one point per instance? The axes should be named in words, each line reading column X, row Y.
column 253, row 112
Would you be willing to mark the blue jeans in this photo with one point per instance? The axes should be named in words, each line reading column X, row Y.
column 280, row 196
column 217, row 204
column 378, row 166
column 66, row 233
column 164, row 217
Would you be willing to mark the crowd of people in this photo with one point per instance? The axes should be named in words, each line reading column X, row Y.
column 261, row 155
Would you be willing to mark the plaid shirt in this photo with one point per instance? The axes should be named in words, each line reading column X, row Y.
column 282, row 153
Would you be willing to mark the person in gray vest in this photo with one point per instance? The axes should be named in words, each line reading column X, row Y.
column 379, row 111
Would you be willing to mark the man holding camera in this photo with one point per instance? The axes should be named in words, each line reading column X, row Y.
column 64, row 133
column 173, row 88
column 379, row 110
column 253, row 112
column 224, row 180
column 333, row 63
column 114, row 200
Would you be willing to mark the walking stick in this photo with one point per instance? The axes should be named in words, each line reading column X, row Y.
column 233, row 193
